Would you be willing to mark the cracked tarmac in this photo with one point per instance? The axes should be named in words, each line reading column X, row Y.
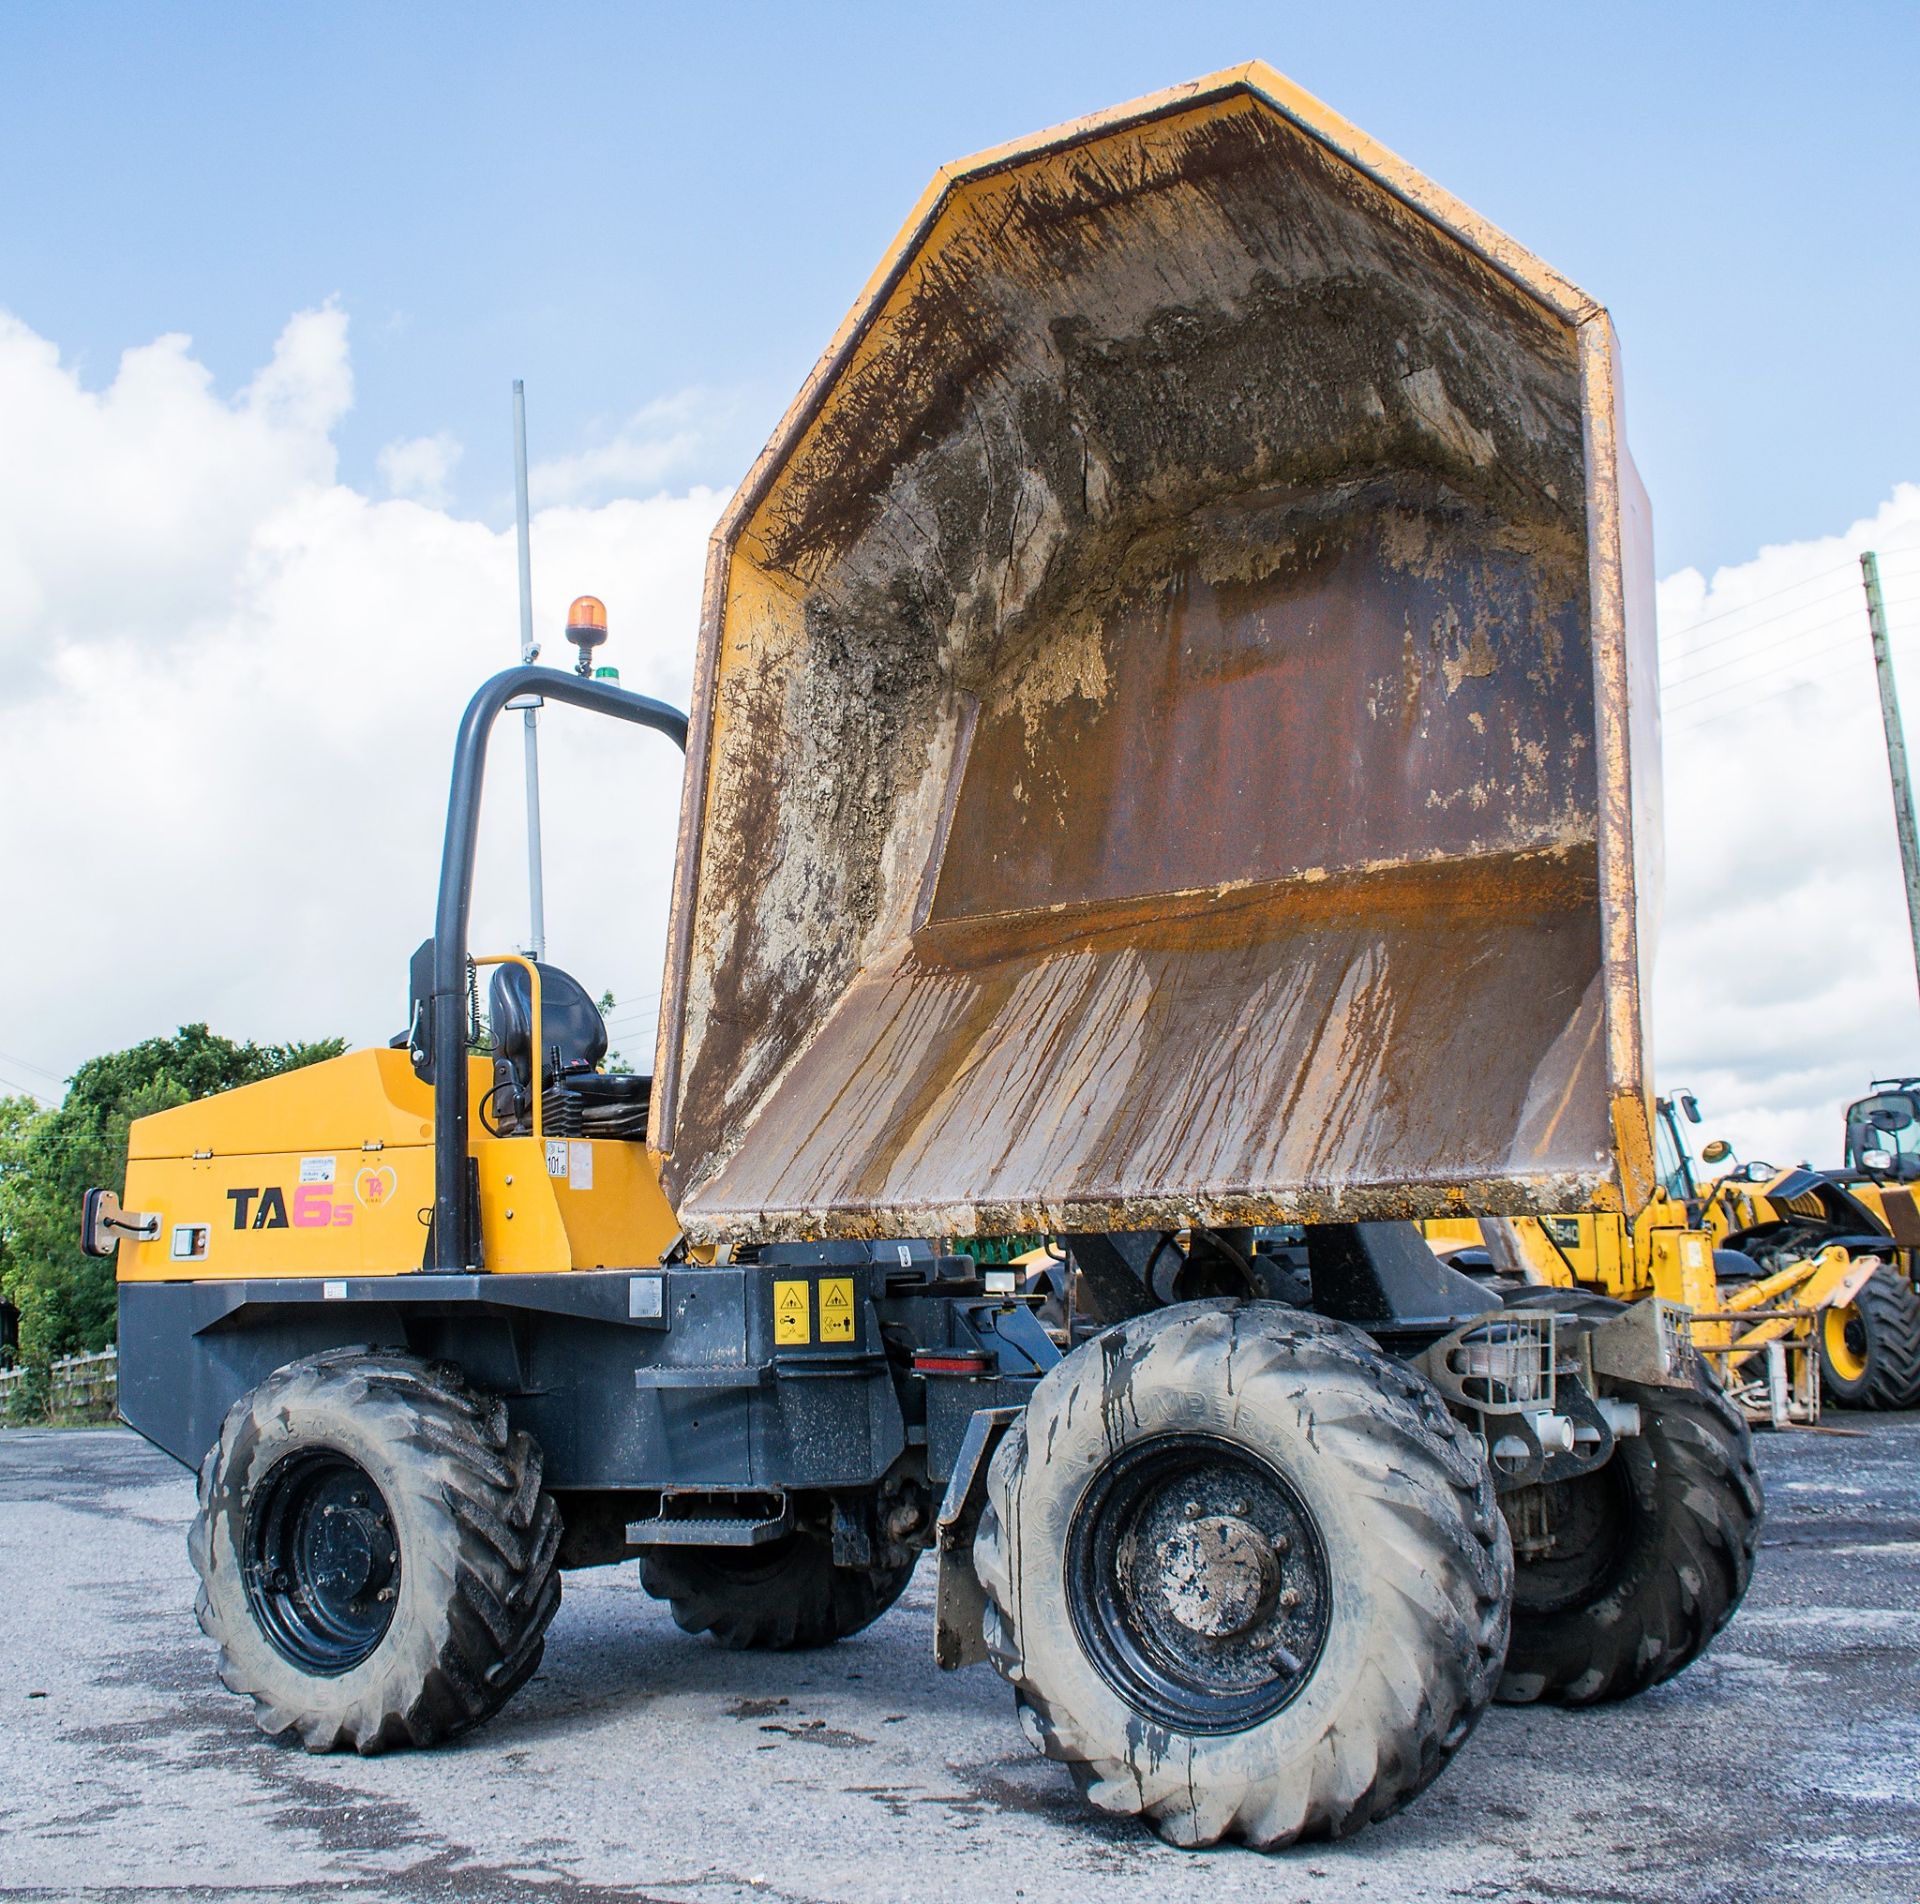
column 644, row 1766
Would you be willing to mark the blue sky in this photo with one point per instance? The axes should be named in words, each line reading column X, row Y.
column 626, row 205
column 244, row 576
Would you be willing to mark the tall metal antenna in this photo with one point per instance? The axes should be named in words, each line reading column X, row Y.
column 529, row 651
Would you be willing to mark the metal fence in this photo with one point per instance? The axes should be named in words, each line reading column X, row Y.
column 79, row 1387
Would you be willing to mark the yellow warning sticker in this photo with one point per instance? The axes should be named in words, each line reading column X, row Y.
column 792, row 1313
column 836, row 1308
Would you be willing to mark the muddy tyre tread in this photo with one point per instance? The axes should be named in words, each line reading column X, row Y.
column 789, row 1597
column 478, row 1594
column 1437, row 1539
column 1693, row 1466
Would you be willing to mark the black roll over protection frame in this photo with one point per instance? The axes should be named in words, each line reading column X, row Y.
column 437, row 1022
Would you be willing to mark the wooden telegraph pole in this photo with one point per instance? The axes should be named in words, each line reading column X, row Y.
column 1896, row 749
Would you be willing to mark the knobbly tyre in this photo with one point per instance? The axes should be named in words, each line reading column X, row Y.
column 1165, row 761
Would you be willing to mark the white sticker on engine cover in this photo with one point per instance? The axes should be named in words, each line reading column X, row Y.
column 556, row 1156
column 580, row 1166
column 316, row 1169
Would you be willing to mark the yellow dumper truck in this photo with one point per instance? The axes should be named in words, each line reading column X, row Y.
column 1168, row 754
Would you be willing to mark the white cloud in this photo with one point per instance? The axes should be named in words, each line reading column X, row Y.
column 641, row 454
column 418, row 467
column 1786, row 972
column 124, row 513
column 232, row 685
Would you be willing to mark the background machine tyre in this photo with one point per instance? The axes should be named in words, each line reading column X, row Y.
column 1246, row 1574
column 785, row 1595
column 1870, row 1350
column 375, row 1552
column 1623, row 1576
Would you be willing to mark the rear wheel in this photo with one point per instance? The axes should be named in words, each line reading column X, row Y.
column 1622, row 1576
column 782, row 1596
column 375, row 1552
column 1870, row 1349
column 1245, row 1573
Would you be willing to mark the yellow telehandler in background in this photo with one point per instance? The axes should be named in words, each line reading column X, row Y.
column 1869, row 1337
column 1799, row 1287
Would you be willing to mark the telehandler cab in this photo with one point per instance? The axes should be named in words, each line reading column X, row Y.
column 1167, row 757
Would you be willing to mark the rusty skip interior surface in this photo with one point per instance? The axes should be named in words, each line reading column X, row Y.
column 1151, row 755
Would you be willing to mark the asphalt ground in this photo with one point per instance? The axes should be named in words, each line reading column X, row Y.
column 644, row 1765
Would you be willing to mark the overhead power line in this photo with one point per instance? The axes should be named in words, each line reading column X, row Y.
column 1687, row 723
column 1746, row 655
column 1682, row 701
column 27, row 1064
column 15, row 1088
column 1759, row 601
column 1903, row 551
column 1739, row 634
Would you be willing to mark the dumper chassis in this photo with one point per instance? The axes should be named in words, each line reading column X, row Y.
column 1245, row 1562
column 1165, row 760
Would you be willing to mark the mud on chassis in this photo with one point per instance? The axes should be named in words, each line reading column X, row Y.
column 1254, row 1530
column 1196, row 622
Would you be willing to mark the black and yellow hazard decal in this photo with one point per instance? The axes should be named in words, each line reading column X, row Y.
column 792, row 1313
column 836, row 1309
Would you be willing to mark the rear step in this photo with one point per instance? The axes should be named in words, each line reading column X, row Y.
column 671, row 1529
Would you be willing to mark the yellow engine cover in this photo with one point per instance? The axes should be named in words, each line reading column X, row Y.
column 328, row 1171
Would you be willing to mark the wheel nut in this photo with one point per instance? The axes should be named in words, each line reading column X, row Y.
column 1192, row 1510
column 1281, row 1544
column 1242, row 1508
column 1290, row 1599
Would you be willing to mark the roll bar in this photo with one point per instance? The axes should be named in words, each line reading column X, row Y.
column 445, row 1041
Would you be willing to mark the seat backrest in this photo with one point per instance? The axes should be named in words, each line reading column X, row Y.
column 570, row 1023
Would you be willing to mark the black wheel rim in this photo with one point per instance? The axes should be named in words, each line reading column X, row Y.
column 1198, row 1584
column 1584, row 1545
column 322, row 1561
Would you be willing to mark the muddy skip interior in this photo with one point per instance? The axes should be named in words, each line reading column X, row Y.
column 1151, row 762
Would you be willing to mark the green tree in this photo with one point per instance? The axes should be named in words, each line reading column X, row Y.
column 50, row 1158
column 613, row 1060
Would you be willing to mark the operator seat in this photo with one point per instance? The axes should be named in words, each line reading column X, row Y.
column 579, row 1101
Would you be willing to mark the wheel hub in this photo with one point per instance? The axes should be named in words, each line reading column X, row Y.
column 1197, row 1583
column 349, row 1551
column 323, row 1561
column 1220, row 1575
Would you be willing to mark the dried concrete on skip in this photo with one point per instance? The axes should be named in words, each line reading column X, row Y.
column 644, row 1765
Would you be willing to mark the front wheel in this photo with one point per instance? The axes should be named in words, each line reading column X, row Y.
column 1870, row 1348
column 375, row 1551
column 1246, row 1574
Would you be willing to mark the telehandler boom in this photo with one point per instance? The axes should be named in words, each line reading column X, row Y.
column 1168, row 755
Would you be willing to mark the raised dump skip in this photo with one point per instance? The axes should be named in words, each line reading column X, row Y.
column 1162, row 740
